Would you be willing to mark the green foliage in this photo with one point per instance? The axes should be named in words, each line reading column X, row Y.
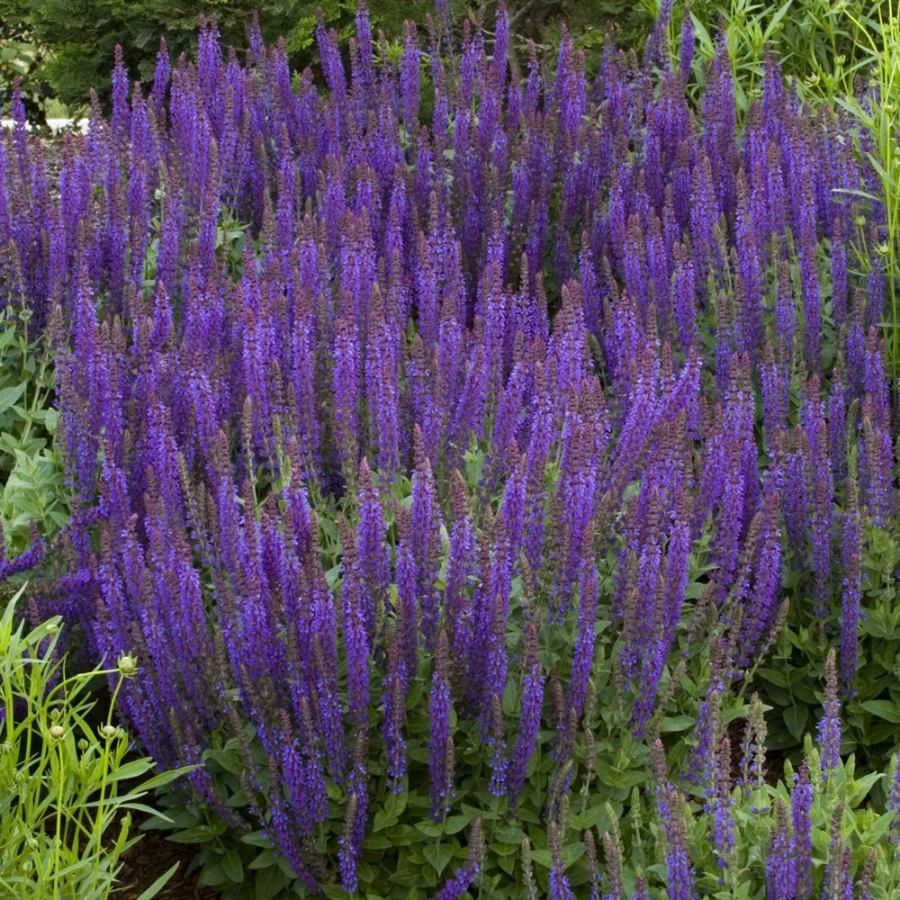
column 407, row 854
column 33, row 491
column 843, row 817
column 870, row 715
column 819, row 44
column 82, row 34
column 881, row 116
column 67, row 787
column 22, row 59
column 588, row 21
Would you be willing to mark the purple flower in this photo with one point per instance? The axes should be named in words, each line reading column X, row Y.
column 560, row 889
column 801, row 814
column 583, row 660
column 829, row 730
column 466, row 876
column 530, row 715
column 851, row 554
column 356, row 636
column 893, row 805
column 440, row 747
column 781, row 870
column 425, row 540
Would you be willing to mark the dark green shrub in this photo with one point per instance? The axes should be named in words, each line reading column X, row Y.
column 22, row 58
column 82, row 34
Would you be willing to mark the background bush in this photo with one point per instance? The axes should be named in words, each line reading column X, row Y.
column 22, row 60
column 79, row 37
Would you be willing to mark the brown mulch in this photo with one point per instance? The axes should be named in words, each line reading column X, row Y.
column 151, row 857
column 774, row 771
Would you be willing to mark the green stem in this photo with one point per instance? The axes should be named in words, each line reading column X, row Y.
column 99, row 826
column 57, row 843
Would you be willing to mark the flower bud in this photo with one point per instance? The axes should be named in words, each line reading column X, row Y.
column 128, row 665
column 108, row 732
column 57, row 732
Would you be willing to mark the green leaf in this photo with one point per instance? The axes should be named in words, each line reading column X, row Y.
column 264, row 860
column 269, row 882
column 456, row 824
column 438, row 855
column 430, row 829
column 571, row 853
column 862, row 786
column 377, row 842
column 130, row 770
column 159, row 884
column 201, row 834
column 212, row 876
column 383, row 820
column 10, row 396
column 509, row 834
column 677, row 723
column 233, row 867
column 590, row 818
column 395, row 803
column 884, row 709
column 795, row 719
column 773, row 676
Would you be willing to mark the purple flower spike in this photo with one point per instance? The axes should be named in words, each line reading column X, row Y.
column 829, row 731
column 440, row 751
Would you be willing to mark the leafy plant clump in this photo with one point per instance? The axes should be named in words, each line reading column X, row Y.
column 455, row 481
column 34, row 496
column 67, row 785
column 821, row 46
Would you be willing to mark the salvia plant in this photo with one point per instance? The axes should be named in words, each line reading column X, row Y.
column 69, row 784
column 450, row 477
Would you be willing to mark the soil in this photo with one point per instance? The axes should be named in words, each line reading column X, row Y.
column 151, row 857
